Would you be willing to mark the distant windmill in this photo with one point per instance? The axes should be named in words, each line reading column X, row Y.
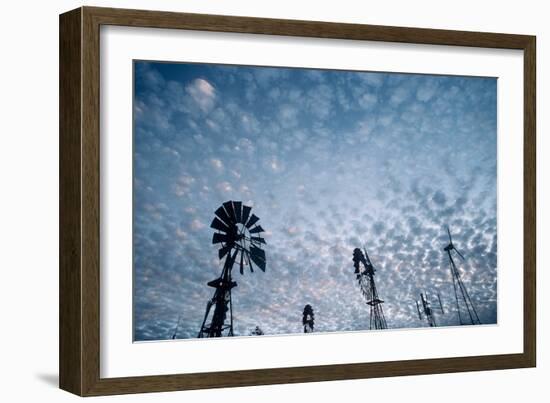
column 308, row 319
column 257, row 331
column 426, row 310
column 175, row 334
column 237, row 233
column 365, row 278
column 462, row 298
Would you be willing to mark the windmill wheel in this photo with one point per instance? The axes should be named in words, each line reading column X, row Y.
column 239, row 234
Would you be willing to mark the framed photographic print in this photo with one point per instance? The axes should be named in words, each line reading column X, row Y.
column 249, row 201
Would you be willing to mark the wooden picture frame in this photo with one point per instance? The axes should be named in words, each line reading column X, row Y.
column 79, row 201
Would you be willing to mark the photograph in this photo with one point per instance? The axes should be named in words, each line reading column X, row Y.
column 276, row 201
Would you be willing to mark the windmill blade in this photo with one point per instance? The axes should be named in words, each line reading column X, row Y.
column 258, row 256
column 257, row 239
column 228, row 206
column 249, row 262
column 257, row 229
column 253, row 220
column 418, row 309
column 219, row 238
column 245, row 214
column 237, row 205
column 241, row 266
column 223, row 251
column 219, row 225
column 450, row 238
column 222, row 214
column 257, row 252
column 459, row 254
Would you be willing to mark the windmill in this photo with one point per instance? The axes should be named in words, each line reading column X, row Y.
column 462, row 298
column 308, row 319
column 257, row 331
column 365, row 278
column 175, row 334
column 238, row 234
column 427, row 310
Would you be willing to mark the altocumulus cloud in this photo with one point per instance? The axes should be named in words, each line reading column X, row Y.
column 329, row 161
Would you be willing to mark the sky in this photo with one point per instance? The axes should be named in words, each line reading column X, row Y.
column 329, row 161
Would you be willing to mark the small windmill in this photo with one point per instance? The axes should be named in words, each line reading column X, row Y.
column 238, row 234
column 175, row 334
column 364, row 273
column 426, row 310
column 257, row 331
column 462, row 298
column 308, row 319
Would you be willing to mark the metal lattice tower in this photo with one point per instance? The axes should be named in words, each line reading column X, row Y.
column 462, row 298
column 364, row 271
column 308, row 319
column 426, row 310
column 237, row 232
column 221, row 301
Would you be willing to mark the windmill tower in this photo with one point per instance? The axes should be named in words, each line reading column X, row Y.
column 237, row 232
column 308, row 319
column 462, row 298
column 425, row 309
column 364, row 272
column 175, row 334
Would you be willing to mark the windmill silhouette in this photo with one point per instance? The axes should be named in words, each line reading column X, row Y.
column 257, row 331
column 462, row 298
column 308, row 319
column 426, row 310
column 238, row 233
column 364, row 271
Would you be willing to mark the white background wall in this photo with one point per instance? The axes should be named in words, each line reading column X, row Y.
column 29, row 198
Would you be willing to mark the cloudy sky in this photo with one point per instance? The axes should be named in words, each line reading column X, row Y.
column 330, row 161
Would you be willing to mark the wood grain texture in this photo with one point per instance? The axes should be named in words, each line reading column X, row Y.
column 70, row 273
column 90, row 202
column 530, row 203
column 80, row 200
column 316, row 29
